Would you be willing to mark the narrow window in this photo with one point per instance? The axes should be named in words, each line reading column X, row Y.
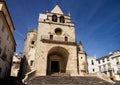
column 54, row 18
column 93, row 70
column 31, row 63
column 62, row 20
column 103, row 60
column 117, row 63
column 99, row 61
column 66, row 38
column 92, row 62
column 32, row 42
column 51, row 37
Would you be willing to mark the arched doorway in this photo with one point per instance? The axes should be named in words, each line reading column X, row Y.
column 57, row 60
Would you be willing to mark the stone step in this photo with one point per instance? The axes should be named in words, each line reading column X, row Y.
column 59, row 74
column 65, row 80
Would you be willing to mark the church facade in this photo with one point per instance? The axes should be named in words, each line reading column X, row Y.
column 52, row 48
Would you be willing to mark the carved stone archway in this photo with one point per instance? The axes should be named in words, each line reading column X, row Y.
column 57, row 60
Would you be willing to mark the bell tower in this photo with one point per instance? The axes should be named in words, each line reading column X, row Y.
column 57, row 25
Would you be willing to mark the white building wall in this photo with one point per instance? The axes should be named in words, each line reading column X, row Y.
column 92, row 64
column 109, row 64
column 116, row 64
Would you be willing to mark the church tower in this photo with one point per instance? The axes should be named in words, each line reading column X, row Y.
column 55, row 50
column 56, row 47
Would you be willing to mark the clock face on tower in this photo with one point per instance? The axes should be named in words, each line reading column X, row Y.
column 58, row 31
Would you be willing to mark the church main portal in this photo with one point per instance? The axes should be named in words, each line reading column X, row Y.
column 57, row 60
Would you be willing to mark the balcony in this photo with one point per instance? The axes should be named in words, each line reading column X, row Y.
column 57, row 39
column 106, row 69
column 109, row 68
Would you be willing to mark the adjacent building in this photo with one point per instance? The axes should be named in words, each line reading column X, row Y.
column 109, row 64
column 92, row 64
column 7, row 41
column 15, row 65
column 52, row 48
column 29, row 47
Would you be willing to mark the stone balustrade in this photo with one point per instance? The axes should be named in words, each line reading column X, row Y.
column 58, row 38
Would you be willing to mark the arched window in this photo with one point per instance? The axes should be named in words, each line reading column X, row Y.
column 32, row 42
column 62, row 19
column 54, row 18
column 51, row 37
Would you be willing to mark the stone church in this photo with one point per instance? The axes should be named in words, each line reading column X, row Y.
column 52, row 48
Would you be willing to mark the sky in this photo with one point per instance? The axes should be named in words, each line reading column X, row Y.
column 97, row 22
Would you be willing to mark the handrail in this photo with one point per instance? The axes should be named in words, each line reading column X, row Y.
column 28, row 76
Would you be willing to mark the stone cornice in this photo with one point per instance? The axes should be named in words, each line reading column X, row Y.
column 59, row 42
column 57, row 23
column 8, row 12
column 57, row 14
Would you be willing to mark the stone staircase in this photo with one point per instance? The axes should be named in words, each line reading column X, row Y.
column 66, row 80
